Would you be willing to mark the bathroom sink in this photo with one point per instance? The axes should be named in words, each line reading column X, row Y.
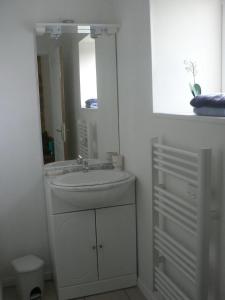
column 93, row 189
column 64, row 166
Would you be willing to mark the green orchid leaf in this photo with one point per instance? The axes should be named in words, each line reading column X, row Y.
column 192, row 89
column 195, row 89
column 198, row 89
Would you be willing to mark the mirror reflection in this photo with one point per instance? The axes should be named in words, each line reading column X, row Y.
column 78, row 93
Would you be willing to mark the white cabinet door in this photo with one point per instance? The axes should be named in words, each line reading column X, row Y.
column 116, row 240
column 74, row 247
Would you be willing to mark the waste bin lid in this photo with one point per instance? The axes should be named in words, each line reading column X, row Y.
column 27, row 263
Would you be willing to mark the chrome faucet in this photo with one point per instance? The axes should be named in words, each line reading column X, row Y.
column 80, row 160
column 85, row 165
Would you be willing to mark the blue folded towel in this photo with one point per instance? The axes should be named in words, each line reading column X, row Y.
column 213, row 100
column 210, row 111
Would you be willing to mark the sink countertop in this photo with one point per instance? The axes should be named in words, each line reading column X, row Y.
column 72, row 166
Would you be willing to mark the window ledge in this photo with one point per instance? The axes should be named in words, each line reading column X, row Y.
column 190, row 117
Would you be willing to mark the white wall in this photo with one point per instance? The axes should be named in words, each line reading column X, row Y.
column 22, row 208
column 134, row 110
column 184, row 30
column 138, row 125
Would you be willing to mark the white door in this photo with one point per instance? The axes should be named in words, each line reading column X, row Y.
column 116, row 240
column 74, row 247
column 58, row 103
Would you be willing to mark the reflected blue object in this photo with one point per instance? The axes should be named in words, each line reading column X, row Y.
column 91, row 103
column 211, row 100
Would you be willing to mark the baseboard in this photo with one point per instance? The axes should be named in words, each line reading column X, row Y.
column 145, row 291
column 11, row 281
column 97, row 287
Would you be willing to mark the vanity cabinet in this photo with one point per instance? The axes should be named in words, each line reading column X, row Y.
column 92, row 231
column 75, row 264
column 95, row 246
column 116, row 240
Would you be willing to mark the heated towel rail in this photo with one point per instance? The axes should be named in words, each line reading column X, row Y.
column 83, row 138
column 87, row 139
column 180, row 193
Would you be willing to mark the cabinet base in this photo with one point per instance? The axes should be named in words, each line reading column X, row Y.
column 96, row 287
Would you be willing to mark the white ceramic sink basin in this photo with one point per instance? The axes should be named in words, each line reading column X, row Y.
column 93, row 189
column 61, row 167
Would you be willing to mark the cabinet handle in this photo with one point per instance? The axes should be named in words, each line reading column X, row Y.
column 93, row 247
column 100, row 246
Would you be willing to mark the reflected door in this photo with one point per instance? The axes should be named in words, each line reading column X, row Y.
column 58, row 103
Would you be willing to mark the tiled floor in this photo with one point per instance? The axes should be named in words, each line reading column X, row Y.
column 50, row 294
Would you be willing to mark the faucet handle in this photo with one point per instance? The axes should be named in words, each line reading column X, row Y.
column 80, row 159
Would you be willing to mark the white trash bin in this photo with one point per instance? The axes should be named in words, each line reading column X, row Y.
column 29, row 275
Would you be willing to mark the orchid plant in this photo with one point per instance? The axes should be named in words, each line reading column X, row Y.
column 191, row 67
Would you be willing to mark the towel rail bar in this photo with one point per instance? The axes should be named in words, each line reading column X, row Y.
column 180, row 223
column 176, row 150
column 176, row 168
column 191, row 277
column 179, row 176
column 167, row 288
column 164, row 292
column 176, row 260
column 160, row 274
column 175, row 214
column 172, row 218
column 176, row 244
column 179, row 200
column 160, row 241
column 176, row 159
column 176, row 206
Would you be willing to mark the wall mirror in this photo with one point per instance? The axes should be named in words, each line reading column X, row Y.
column 77, row 75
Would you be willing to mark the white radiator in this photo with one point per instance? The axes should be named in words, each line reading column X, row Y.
column 87, row 139
column 180, row 222
column 82, row 138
